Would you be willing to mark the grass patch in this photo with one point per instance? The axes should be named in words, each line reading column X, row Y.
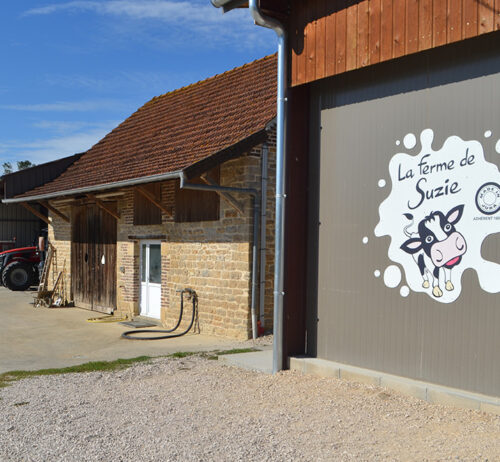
column 213, row 355
column 182, row 354
column 93, row 366
column 102, row 366
column 237, row 351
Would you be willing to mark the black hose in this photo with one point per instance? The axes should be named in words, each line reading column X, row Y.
column 192, row 294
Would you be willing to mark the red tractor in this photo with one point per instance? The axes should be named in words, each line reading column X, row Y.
column 19, row 268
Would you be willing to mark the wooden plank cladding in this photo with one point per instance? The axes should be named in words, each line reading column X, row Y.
column 329, row 37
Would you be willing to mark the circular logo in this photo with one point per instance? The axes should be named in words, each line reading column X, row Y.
column 488, row 198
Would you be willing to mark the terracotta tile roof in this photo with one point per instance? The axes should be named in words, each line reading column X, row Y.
column 178, row 129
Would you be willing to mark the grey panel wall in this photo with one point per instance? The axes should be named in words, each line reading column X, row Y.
column 353, row 317
column 16, row 221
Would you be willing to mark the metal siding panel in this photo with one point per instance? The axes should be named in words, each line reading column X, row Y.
column 16, row 221
column 362, row 322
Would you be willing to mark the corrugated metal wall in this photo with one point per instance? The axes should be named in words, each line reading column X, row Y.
column 16, row 221
column 360, row 321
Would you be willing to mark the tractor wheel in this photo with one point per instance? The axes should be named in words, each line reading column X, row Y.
column 17, row 276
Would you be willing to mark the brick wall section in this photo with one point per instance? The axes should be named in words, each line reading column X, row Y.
column 214, row 257
column 60, row 237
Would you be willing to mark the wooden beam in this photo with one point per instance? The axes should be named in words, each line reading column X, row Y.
column 153, row 200
column 224, row 195
column 36, row 213
column 103, row 206
column 54, row 210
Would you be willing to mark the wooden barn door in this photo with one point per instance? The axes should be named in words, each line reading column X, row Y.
column 93, row 258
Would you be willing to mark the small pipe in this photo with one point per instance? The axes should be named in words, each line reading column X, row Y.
column 279, row 293
column 256, row 215
column 263, row 236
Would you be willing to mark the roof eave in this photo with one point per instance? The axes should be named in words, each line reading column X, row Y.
column 90, row 189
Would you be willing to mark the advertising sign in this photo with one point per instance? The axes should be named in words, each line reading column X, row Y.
column 443, row 203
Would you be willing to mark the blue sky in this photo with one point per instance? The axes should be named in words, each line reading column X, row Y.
column 73, row 70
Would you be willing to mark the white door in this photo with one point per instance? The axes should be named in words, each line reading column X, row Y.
column 151, row 279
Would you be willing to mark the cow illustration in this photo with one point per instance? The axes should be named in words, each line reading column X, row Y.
column 437, row 245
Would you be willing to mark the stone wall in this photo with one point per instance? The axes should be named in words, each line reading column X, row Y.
column 60, row 237
column 212, row 257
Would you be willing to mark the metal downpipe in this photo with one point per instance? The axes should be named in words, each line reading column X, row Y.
column 272, row 23
column 263, row 235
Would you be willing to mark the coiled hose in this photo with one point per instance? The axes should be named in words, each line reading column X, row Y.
column 191, row 295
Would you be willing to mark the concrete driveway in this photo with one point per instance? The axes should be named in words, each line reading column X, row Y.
column 38, row 338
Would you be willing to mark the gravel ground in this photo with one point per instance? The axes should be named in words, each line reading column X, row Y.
column 195, row 409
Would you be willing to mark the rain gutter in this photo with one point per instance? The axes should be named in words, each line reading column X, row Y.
column 279, row 293
column 271, row 23
column 94, row 188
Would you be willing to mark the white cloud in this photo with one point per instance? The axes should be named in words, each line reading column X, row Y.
column 188, row 21
column 165, row 10
column 152, row 81
column 66, row 126
column 45, row 150
column 68, row 106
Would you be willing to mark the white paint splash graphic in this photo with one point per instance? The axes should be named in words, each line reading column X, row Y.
column 497, row 147
column 376, row 273
column 487, row 133
column 457, row 181
column 404, row 291
column 410, row 141
column 392, row 276
column 365, row 240
column 381, row 183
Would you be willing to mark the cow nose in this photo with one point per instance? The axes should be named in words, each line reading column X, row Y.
column 437, row 255
column 460, row 242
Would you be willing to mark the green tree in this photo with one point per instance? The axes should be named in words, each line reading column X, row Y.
column 7, row 168
column 22, row 164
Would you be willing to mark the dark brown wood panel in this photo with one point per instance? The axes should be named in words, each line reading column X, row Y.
column 497, row 15
column 425, row 24
column 320, row 41
column 398, row 12
column 440, row 10
column 469, row 20
column 486, row 16
column 363, row 21
column 340, row 42
column 311, row 43
column 351, row 55
column 386, row 30
column 93, row 257
column 330, row 43
column 332, row 37
column 193, row 205
column 145, row 212
column 374, row 33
